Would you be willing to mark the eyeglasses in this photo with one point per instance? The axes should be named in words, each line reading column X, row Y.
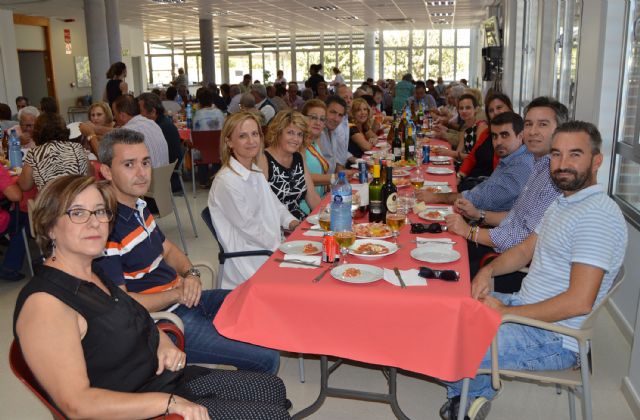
column 316, row 118
column 80, row 216
column 446, row 275
column 427, row 228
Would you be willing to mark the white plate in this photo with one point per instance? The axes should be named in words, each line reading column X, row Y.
column 370, row 237
column 439, row 171
column 314, row 219
column 297, row 247
column 442, row 212
column 368, row 273
column 439, row 158
column 438, row 189
column 370, row 152
column 426, row 254
column 382, row 144
column 400, row 173
column 391, row 246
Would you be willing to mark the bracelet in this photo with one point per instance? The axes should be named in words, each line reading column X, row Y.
column 470, row 233
column 171, row 400
column 475, row 235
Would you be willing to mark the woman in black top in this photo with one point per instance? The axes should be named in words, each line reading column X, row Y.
column 116, row 85
column 94, row 349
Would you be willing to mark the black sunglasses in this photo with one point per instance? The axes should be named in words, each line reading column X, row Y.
column 427, row 228
column 446, row 275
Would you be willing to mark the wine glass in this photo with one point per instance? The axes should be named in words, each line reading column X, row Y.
column 345, row 239
column 396, row 221
column 324, row 218
column 417, row 179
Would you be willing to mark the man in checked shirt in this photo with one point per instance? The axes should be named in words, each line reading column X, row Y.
column 504, row 230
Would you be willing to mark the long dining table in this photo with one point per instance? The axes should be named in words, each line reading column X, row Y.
column 437, row 330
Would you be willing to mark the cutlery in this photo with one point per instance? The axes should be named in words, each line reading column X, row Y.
column 395, row 270
column 314, row 229
column 428, row 241
column 321, row 275
column 299, row 262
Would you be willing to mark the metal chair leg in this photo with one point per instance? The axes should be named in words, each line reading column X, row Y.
column 175, row 211
column 301, row 367
column 558, row 389
column 572, row 404
column 186, row 200
column 586, row 384
column 193, row 174
column 26, row 248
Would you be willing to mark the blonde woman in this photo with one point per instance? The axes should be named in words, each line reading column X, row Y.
column 284, row 166
column 361, row 135
column 100, row 122
column 245, row 212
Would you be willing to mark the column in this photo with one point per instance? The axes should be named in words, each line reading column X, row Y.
column 96, row 27
column 113, row 30
column 381, row 74
column 206, row 50
column 224, row 54
column 369, row 54
column 294, row 77
column 546, row 54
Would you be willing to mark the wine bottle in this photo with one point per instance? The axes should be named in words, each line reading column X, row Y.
column 375, row 197
column 397, row 147
column 410, row 143
column 389, row 195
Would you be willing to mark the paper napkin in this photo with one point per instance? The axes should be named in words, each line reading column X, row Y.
column 410, row 277
column 313, row 259
column 436, row 244
column 317, row 231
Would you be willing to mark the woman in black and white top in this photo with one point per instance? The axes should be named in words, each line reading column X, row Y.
column 283, row 164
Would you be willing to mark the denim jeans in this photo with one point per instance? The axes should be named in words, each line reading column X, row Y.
column 519, row 348
column 14, row 257
column 203, row 344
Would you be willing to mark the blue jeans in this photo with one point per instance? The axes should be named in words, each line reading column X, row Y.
column 203, row 344
column 16, row 251
column 519, row 348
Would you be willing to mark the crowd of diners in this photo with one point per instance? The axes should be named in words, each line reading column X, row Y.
column 527, row 189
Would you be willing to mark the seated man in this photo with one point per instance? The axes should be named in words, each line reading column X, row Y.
column 542, row 116
column 573, row 265
column 140, row 260
column 500, row 191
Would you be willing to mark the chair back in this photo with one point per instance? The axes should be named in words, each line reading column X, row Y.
column 590, row 320
column 160, row 188
column 206, row 216
column 208, row 143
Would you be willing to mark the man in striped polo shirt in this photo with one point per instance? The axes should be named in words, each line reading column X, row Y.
column 573, row 265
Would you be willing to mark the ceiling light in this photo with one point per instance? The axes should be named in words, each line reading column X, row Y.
column 169, row 1
column 162, row 20
column 441, row 3
column 346, row 18
column 442, row 22
column 441, row 14
column 325, row 8
column 220, row 13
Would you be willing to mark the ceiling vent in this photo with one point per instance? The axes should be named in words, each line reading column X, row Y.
column 397, row 21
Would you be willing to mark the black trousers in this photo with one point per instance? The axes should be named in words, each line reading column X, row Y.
column 508, row 283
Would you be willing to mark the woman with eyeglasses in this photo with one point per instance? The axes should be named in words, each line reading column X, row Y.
column 315, row 112
column 96, row 352
column 283, row 165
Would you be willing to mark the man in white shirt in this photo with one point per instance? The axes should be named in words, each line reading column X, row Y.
column 263, row 104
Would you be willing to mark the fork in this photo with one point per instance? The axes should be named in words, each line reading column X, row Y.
column 326, row 270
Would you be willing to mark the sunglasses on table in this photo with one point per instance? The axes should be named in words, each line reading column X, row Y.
column 446, row 275
column 427, row 228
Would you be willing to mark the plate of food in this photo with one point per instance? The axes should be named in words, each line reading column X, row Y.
column 372, row 248
column 372, row 230
column 435, row 255
column 439, row 146
column 400, row 172
column 401, row 182
column 436, row 214
column 314, row 219
column 438, row 189
column 301, row 247
column 440, row 159
column 357, row 273
column 439, row 171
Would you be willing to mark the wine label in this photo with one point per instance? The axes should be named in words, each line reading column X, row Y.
column 375, row 207
column 397, row 151
column 392, row 203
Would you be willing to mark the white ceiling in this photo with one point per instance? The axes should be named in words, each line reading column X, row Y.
column 267, row 17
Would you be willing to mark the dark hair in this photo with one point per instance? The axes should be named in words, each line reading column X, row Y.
column 281, row 89
column 171, row 93
column 5, row 112
column 469, row 96
column 48, row 105
column 516, row 121
column 116, row 69
column 225, row 88
column 205, row 97
column 151, row 101
column 156, row 91
column 22, row 98
column 49, row 127
column 336, row 99
column 561, row 111
column 499, row 96
column 113, row 137
column 126, row 104
column 420, row 83
column 369, row 99
column 376, row 89
column 595, row 139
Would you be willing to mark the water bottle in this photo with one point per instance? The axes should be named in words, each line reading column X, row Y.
column 341, row 204
column 15, row 154
column 189, row 115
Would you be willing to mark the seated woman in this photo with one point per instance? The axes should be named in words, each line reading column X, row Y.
column 100, row 122
column 361, row 135
column 115, row 363
column 316, row 113
column 245, row 212
column 284, row 166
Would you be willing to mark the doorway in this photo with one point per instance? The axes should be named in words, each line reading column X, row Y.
column 33, row 74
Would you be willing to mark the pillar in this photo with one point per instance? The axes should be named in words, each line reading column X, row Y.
column 294, row 71
column 97, row 45
column 112, row 12
column 224, row 54
column 206, row 50
column 369, row 54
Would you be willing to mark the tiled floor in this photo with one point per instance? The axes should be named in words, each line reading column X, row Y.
column 419, row 397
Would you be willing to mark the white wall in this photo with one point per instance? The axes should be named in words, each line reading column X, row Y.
column 132, row 40
column 10, row 85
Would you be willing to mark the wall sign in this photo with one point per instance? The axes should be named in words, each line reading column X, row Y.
column 67, row 41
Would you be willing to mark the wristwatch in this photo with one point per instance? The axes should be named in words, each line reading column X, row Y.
column 483, row 215
column 192, row 272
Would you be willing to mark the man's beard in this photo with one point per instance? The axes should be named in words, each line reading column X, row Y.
column 576, row 184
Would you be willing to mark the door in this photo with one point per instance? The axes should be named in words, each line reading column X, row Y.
column 33, row 75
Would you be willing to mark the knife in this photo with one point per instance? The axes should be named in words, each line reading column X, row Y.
column 395, row 270
column 299, row 262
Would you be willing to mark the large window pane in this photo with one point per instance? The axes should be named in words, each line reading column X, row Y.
column 159, row 49
column 256, row 67
column 448, row 37
column 344, row 62
column 627, row 185
column 304, row 59
column 433, row 63
column 238, row 67
column 396, row 38
column 329, row 63
column 218, row 70
column 402, row 64
column 357, row 69
column 194, row 71
column 462, row 63
column 162, row 72
column 433, row 37
column 447, row 64
column 464, row 37
column 285, row 64
column 389, row 64
column 270, row 65
column 418, row 38
column 417, row 64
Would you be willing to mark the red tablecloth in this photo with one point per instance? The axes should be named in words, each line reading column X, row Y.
column 185, row 134
column 437, row 330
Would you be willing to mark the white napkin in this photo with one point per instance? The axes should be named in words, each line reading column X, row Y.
column 435, row 244
column 363, row 190
column 313, row 259
column 317, row 231
column 435, row 183
column 410, row 277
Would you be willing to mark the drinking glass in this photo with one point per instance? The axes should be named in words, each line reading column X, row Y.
column 396, row 221
column 406, row 199
column 345, row 239
column 417, row 178
column 324, row 218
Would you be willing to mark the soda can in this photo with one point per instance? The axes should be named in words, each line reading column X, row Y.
column 363, row 176
column 426, row 150
column 329, row 248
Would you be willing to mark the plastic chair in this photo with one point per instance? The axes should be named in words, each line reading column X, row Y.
column 31, row 204
column 22, row 371
column 575, row 379
column 160, row 191
column 178, row 171
column 208, row 143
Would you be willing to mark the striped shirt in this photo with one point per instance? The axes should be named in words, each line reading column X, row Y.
column 133, row 255
column 586, row 227
column 500, row 191
column 54, row 159
column 533, row 201
column 153, row 138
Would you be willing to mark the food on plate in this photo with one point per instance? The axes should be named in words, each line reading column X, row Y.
column 401, row 182
column 310, row 249
column 433, row 214
column 372, row 230
column 372, row 249
column 433, row 189
column 351, row 273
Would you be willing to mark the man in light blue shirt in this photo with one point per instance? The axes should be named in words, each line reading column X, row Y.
column 573, row 265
